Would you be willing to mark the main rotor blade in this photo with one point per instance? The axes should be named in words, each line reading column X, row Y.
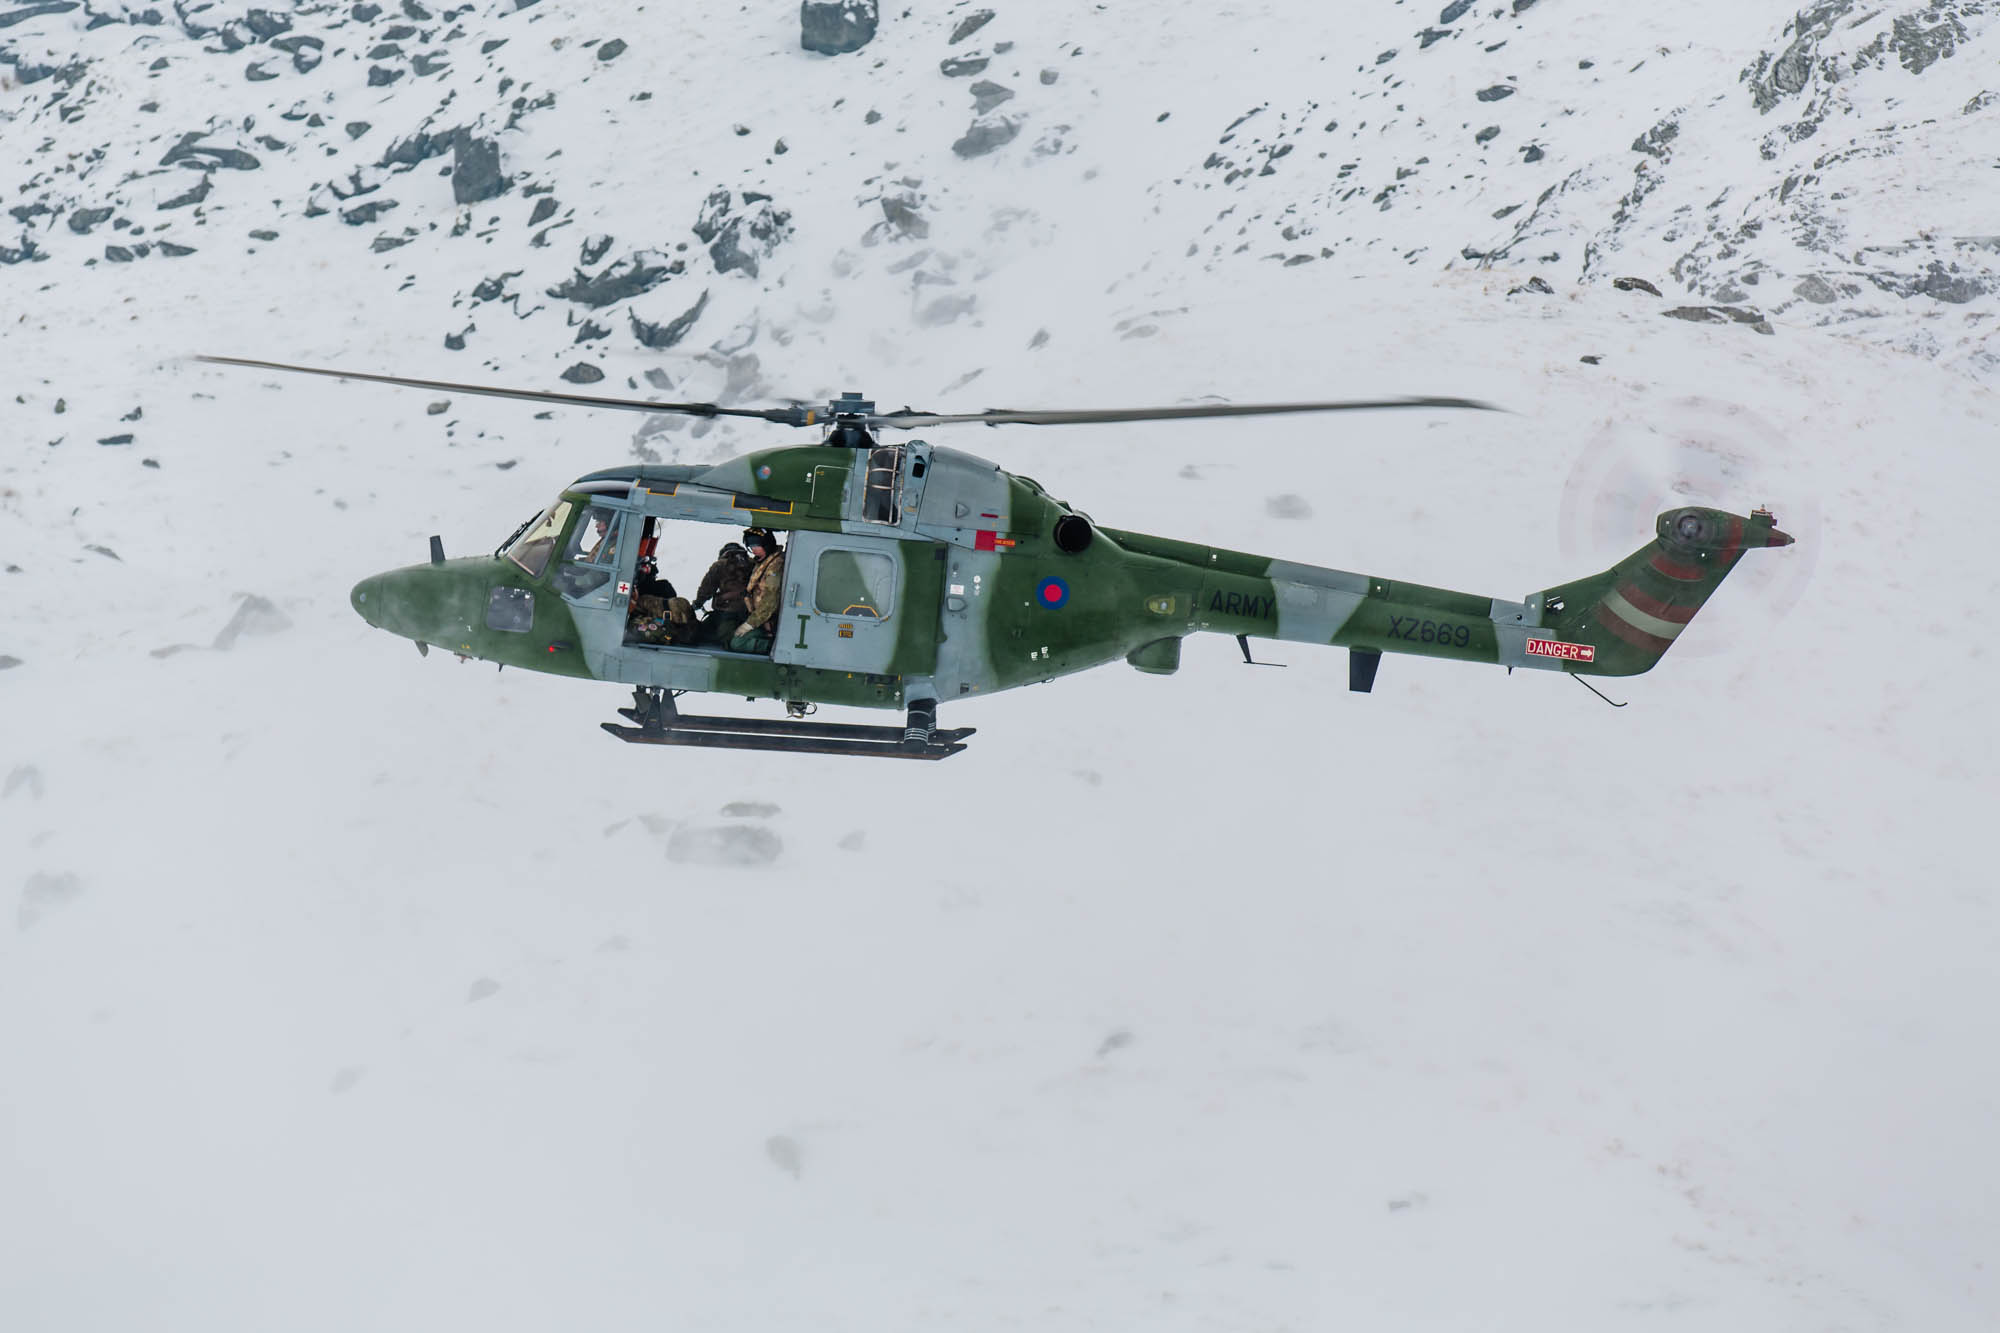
column 779, row 414
column 908, row 420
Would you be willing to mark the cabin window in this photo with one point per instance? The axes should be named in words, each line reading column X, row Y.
column 532, row 549
column 511, row 610
column 881, row 497
column 591, row 554
column 855, row 583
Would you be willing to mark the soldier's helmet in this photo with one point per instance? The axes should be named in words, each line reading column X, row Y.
column 759, row 537
column 733, row 551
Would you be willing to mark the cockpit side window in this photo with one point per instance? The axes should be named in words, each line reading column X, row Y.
column 532, row 549
column 591, row 553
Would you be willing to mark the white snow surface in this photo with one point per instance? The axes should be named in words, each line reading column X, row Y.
column 345, row 989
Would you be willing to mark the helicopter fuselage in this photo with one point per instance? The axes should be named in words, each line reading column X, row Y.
column 916, row 573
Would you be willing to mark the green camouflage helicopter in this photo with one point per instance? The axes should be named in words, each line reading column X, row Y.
column 916, row 574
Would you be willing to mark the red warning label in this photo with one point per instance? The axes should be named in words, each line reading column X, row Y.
column 1569, row 652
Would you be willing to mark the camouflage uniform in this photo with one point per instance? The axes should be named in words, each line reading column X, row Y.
column 765, row 592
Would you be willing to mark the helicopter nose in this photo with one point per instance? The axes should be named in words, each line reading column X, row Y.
column 366, row 599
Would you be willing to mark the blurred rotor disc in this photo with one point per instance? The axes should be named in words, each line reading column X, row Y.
column 1703, row 452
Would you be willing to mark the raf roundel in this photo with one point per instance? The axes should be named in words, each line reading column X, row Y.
column 1052, row 594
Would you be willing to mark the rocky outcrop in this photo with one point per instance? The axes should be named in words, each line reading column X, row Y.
column 836, row 27
column 475, row 169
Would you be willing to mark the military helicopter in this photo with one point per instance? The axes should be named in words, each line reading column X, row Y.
column 917, row 574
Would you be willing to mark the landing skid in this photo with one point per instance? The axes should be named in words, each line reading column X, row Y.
column 660, row 723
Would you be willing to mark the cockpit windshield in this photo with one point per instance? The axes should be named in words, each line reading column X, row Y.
column 537, row 542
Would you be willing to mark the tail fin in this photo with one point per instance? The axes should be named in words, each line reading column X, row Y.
column 1627, row 617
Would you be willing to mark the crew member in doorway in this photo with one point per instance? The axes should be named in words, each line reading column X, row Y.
column 725, row 590
column 658, row 614
column 763, row 595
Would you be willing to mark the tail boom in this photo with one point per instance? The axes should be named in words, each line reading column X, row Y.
column 1616, row 623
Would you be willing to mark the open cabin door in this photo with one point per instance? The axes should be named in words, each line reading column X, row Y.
column 841, row 607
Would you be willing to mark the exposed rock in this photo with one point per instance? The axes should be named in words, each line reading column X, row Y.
column 784, row 1154
column 970, row 24
column 1454, row 11
column 612, row 49
column 957, row 67
column 748, row 237
column 439, row 408
column 724, row 845
column 190, row 149
column 1937, row 282
column 1654, row 142
column 620, row 282
column 545, row 208
column 583, row 373
column 588, row 331
column 493, row 288
column 84, row 219
column 475, row 170
column 594, row 248
column 1924, row 38
column 714, row 210
column 750, row 809
column 43, row 891
column 1429, row 35
column 986, row 95
column 1536, row 284
column 1287, row 506
column 1497, row 92
column 254, row 615
column 660, row 336
column 265, row 24
column 418, row 147
column 1635, row 285
column 836, row 27
column 1720, row 314
column 1772, row 80
column 362, row 214
column 191, row 197
column 902, row 214
column 1816, row 289
column 8, row 660
column 12, row 17
column 1487, row 135
column 987, row 133
column 946, row 309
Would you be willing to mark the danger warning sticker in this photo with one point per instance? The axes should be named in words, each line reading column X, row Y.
column 1569, row 652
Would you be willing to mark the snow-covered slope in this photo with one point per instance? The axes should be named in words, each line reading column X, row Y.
column 347, row 989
